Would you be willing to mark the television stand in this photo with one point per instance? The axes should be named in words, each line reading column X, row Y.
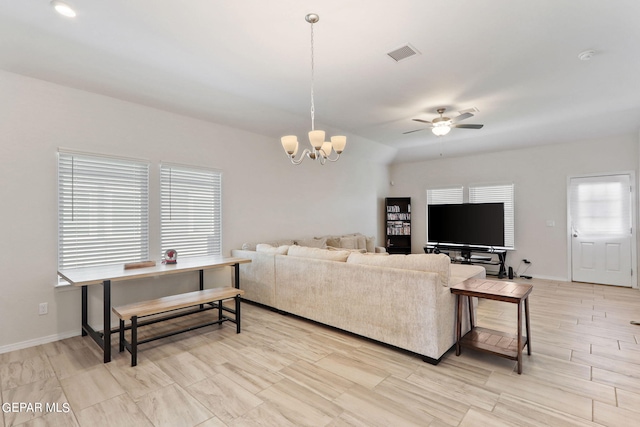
column 467, row 255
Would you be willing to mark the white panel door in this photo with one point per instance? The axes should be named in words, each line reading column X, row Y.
column 601, row 221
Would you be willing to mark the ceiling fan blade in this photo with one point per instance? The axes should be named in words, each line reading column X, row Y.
column 412, row 131
column 421, row 121
column 469, row 110
column 467, row 126
column 461, row 117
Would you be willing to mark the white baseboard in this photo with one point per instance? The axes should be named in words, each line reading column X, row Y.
column 554, row 278
column 38, row 341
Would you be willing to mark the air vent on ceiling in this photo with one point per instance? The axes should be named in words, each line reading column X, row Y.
column 403, row 52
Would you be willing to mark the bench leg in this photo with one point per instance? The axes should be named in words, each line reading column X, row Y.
column 237, row 298
column 134, row 340
column 220, row 310
column 121, row 333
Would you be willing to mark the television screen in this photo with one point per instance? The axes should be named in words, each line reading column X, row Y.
column 480, row 224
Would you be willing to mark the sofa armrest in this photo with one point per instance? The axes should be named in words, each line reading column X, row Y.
column 258, row 278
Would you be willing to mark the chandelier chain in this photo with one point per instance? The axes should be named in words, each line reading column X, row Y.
column 313, row 109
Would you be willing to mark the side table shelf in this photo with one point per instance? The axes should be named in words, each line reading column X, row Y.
column 495, row 342
column 499, row 343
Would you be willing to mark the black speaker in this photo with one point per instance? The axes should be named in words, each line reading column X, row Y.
column 510, row 272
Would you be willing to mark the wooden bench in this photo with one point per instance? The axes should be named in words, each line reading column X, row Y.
column 212, row 297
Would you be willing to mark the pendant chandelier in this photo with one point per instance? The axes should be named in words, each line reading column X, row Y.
column 321, row 149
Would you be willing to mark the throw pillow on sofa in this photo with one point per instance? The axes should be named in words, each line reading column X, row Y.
column 317, row 253
column 276, row 243
column 266, row 248
column 356, row 241
column 317, row 242
column 348, row 242
column 361, row 251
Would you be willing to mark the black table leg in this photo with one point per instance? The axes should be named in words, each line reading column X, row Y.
column 237, row 275
column 106, row 285
column 201, row 276
column 84, row 311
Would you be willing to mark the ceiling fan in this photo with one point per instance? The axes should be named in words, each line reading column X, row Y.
column 442, row 125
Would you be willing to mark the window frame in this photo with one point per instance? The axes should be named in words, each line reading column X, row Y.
column 205, row 237
column 467, row 197
column 103, row 210
column 498, row 193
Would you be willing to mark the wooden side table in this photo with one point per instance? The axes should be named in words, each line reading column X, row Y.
column 490, row 341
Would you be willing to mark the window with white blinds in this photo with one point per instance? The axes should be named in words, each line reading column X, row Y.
column 443, row 196
column 103, row 210
column 191, row 210
column 498, row 194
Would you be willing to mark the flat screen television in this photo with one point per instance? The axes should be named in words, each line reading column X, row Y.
column 477, row 224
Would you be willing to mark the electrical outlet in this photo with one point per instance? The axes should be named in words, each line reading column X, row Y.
column 43, row 308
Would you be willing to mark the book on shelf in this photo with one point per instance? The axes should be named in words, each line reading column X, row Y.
column 399, row 216
column 398, row 228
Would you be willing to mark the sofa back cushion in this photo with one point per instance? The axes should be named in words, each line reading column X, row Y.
column 313, row 242
column 351, row 241
column 251, row 246
column 267, row 248
column 421, row 262
column 317, row 253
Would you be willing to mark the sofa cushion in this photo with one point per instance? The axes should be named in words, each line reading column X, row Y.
column 332, row 241
column 317, row 253
column 421, row 262
column 370, row 243
column 276, row 243
column 313, row 242
column 266, row 248
column 331, row 248
column 348, row 242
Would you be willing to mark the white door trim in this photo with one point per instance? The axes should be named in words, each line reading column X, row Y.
column 634, row 213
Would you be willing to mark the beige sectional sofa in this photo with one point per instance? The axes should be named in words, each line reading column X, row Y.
column 400, row 300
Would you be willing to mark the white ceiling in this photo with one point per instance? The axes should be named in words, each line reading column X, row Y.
column 246, row 64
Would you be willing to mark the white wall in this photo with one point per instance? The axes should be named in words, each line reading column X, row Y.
column 540, row 178
column 264, row 196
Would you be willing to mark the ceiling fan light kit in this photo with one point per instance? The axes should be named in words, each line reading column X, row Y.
column 442, row 125
column 321, row 149
column 441, row 129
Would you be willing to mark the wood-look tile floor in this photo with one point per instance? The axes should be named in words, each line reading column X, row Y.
column 284, row 371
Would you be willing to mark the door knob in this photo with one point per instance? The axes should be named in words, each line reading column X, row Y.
column 575, row 234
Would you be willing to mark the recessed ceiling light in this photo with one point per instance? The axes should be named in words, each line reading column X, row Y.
column 63, row 9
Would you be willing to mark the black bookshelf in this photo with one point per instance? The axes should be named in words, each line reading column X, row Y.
column 398, row 225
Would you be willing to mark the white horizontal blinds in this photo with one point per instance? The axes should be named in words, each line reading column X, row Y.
column 498, row 194
column 444, row 196
column 103, row 210
column 601, row 205
column 191, row 210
